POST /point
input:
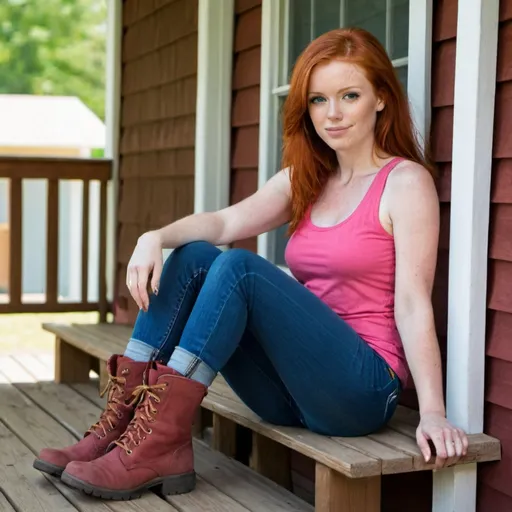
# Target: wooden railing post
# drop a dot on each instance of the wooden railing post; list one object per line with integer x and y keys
{"x": 52, "y": 244}
{"x": 15, "y": 259}
{"x": 55, "y": 170}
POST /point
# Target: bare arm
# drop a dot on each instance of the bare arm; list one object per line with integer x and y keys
{"x": 266, "y": 209}
{"x": 414, "y": 213}
{"x": 263, "y": 211}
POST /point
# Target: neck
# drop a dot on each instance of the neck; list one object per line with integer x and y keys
{"x": 359, "y": 161}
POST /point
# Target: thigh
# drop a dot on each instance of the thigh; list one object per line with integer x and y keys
{"x": 254, "y": 379}
{"x": 341, "y": 385}
{"x": 182, "y": 278}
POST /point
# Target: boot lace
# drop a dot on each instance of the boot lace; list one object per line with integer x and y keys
{"x": 115, "y": 389}
{"x": 145, "y": 413}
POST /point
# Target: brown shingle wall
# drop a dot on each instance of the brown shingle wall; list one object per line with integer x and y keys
{"x": 495, "y": 492}
{"x": 158, "y": 104}
{"x": 246, "y": 104}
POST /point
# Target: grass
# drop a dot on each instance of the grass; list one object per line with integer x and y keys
{"x": 22, "y": 333}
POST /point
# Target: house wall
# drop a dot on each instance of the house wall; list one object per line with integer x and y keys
{"x": 246, "y": 104}
{"x": 414, "y": 489}
{"x": 158, "y": 105}
{"x": 495, "y": 492}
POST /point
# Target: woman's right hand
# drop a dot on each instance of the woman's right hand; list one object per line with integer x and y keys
{"x": 146, "y": 261}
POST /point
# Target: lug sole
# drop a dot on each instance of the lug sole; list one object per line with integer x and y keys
{"x": 48, "y": 467}
{"x": 176, "y": 484}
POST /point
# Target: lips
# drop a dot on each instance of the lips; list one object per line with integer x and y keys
{"x": 336, "y": 130}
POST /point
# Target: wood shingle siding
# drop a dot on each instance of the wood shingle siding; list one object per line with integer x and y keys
{"x": 158, "y": 106}
{"x": 246, "y": 104}
{"x": 495, "y": 492}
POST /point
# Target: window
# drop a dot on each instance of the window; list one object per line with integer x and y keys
{"x": 287, "y": 28}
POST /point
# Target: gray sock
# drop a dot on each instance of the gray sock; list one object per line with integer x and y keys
{"x": 139, "y": 351}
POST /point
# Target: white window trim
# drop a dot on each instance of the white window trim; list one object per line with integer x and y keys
{"x": 213, "y": 112}
{"x": 475, "y": 89}
{"x": 274, "y": 36}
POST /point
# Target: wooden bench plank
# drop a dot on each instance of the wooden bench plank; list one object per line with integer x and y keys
{"x": 393, "y": 450}
{"x": 83, "y": 339}
{"x": 341, "y": 458}
{"x": 393, "y": 460}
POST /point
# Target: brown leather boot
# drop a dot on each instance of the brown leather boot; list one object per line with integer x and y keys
{"x": 156, "y": 449}
{"x": 125, "y": 375}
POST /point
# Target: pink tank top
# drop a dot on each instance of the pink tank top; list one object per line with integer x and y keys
{"x": 351, "y": 267}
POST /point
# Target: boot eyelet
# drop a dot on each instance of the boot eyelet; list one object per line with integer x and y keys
{"x": 150, "y": 431}
{"x": 129, "y": 452}
{"x": 109, "y": 430}
{"x": 144, "y": 438}
{"x": 120, "y": 416}
{"x": 125, "y": 371}
{"x": 137, "y": 444}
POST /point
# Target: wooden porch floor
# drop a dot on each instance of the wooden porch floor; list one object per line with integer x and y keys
{"x": 35, "y": 413}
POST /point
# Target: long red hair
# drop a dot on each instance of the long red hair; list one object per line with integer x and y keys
{"x": 309, "y": 158}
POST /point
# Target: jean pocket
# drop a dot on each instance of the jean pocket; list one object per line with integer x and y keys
{"x": 391, "y": 403}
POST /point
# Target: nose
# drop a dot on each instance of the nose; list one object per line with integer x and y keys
{"x": 334, "y": 112}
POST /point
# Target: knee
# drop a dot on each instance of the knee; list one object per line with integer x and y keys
{"x": 194, "y": 255}
{"x": 236, "y": 257}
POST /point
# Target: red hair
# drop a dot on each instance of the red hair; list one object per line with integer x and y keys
{"x": 308, "y": 157}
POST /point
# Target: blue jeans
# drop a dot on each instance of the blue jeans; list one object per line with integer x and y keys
{"x": 283, "y": 351}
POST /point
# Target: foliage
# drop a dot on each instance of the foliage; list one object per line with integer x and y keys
{"x": 54, "y": 47}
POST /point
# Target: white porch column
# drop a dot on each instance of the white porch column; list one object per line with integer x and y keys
{"x": 213, "y": 113}
{"x": 475, "y": 85}
{"x": 112, "y": 129}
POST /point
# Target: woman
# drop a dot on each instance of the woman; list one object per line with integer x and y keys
{"x": 329, "y": 350}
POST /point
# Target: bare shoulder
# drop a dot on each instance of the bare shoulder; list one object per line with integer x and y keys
{"x": 410, "y": 176}
{"x": 410, "y": 196}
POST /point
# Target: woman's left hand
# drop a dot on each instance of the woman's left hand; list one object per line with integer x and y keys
{"x": 451, "y": 443}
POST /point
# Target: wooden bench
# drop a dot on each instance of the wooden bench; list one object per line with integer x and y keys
{"x": 348, "y": 470}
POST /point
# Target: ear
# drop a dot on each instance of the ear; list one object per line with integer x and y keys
{"x": 380, "y": 105}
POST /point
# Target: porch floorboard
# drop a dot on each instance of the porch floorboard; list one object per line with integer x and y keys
{"x": 35, "y": 412}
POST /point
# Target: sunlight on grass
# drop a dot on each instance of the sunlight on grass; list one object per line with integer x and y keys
{"x": 22, "y": 333}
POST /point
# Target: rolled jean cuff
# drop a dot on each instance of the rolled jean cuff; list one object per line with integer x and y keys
{"x": 140, "y": 351}
{"x": 190, "y": 366}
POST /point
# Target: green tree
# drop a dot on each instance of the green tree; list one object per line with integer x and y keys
{"x": 54, "y": 47}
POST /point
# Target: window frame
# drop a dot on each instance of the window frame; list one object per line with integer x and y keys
{"x": 274, "y": 52}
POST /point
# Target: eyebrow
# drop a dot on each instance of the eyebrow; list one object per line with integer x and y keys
{"x": 341, "y": 90}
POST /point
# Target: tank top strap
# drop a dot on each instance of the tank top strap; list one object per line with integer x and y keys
{"x": 379, "y": 182}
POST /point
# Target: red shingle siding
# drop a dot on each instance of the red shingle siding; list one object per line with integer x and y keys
{"x": 495, "y": 492}
{"x": 246, "y": 104}
{"x": 158, "y": 104}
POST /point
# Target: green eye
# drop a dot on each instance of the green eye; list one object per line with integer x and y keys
{"x": 351, "y": 96}
{"x": 316, "y": 99}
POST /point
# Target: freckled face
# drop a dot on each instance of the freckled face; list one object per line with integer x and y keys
{"x": 342, "y": 105}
